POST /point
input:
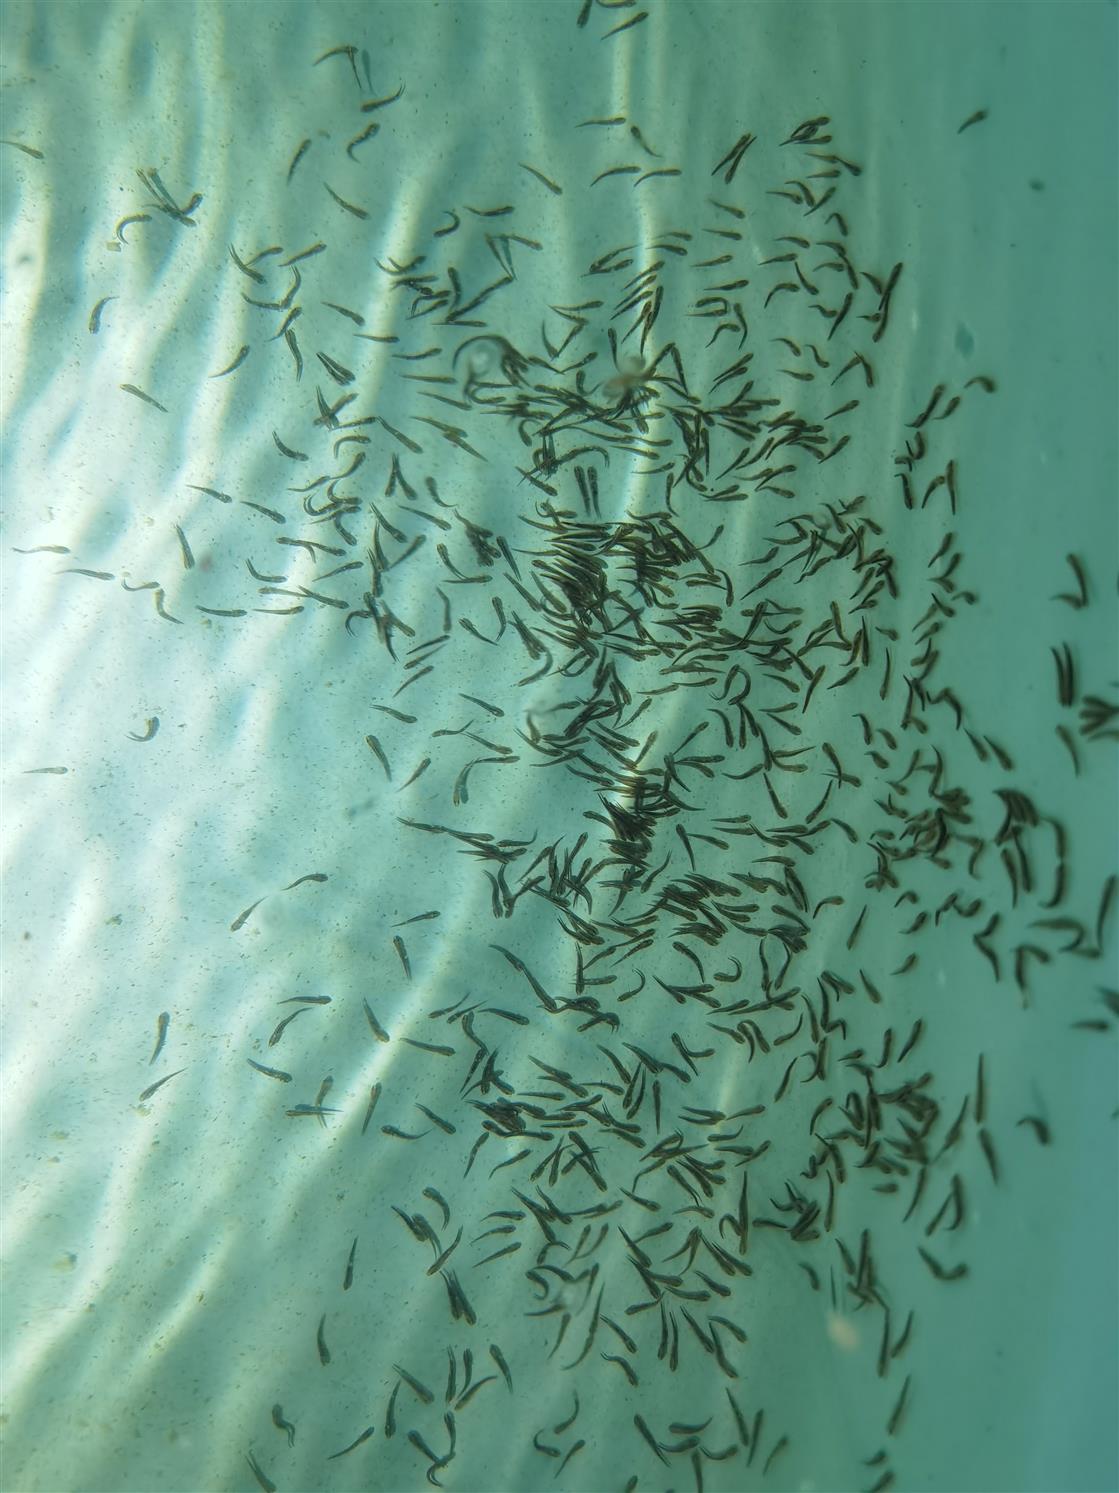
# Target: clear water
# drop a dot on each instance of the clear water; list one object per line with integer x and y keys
{"x": 769, "y": 822}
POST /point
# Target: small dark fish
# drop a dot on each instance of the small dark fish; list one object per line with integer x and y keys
{"x": 298, "y": 156}
{"x": 650, "y": 1439}
{"x": 324, "y": 1089}
{"x": 237, "y": 361}
{"x": 374, "y": 1025}
{"x": 348, "y": 1278}
{"x": 239, "y": 922}
{"x": 780, "y": 1447}
{"x": 159, "y": 598}
{"x": 150, "y": 1090}
{"x": 293, "y": 348}
{"x": 903, "y": 1341}
{"x": 421, "y": 1446}
{"x": 498, "y": 1358}
{"x": 468, "y": 1394}
{"x": 642, "y": 15}
{"x": 365, "y": 1435}
{"x": 938, "y": 1269}
{"x": 283, "y": 1425}
{"x": 565, "y": 1425}
{"x": 147, "y": 398}
{"x": 977, "y": 118}
{"x": 244, "y": 268}
{"x": 374, "y": 1095}
{"x": 282, "y": 449}
{"x": 1040, "y": 1128}
{"x": 357, "y": 212}
{"x": 988, "y": 1147}
{"x": 444, "y": 1125}
{"x": 188, "y": 556}
{"x": 261, "y": 1476}
{"x": 623, "y": 1365}
{"x": 445, "y": 1256}
{"x": 277, "y": 1073}
{"x": 346, "y": 50}
{"x": 551, "y": 185}
{"x": 430, "y": 1192}
{"x": 424, "y": 765}
{"x": 443, "y": 1051}
{"x": 279, "y": 1031}
{"x": 354, "y": 316}
{"x": 1080, "y": 599}
{"x": 366, "y": 134}
{"x": 417, "y": 1388}
{"x": 307, "y": 253}
{"x": 160, "y": 1035}
{"x": 980, "y": 1092}
{"x": 320, "y": 1338}
{"x": 498, "y": 1254}
{"x": 375, "y": 747}
{"x": 899, "y": 1409}
{"x": 615, "y": 171}
{"x": 579, "y": 1445}
{"x": 95, "y": 314}
{"x": 390, "y": 1411}
{"x": 379, "y": 103}
{"x": 402, "y": 952}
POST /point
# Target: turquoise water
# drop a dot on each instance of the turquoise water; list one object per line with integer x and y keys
{"x": 578, "y": 565}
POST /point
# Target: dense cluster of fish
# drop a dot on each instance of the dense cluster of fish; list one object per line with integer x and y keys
{"x": 714, "y": 618}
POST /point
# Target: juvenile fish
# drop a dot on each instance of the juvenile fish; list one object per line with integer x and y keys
{"x": 160, "y": 1035}
{"x": 150, "y": 1090}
